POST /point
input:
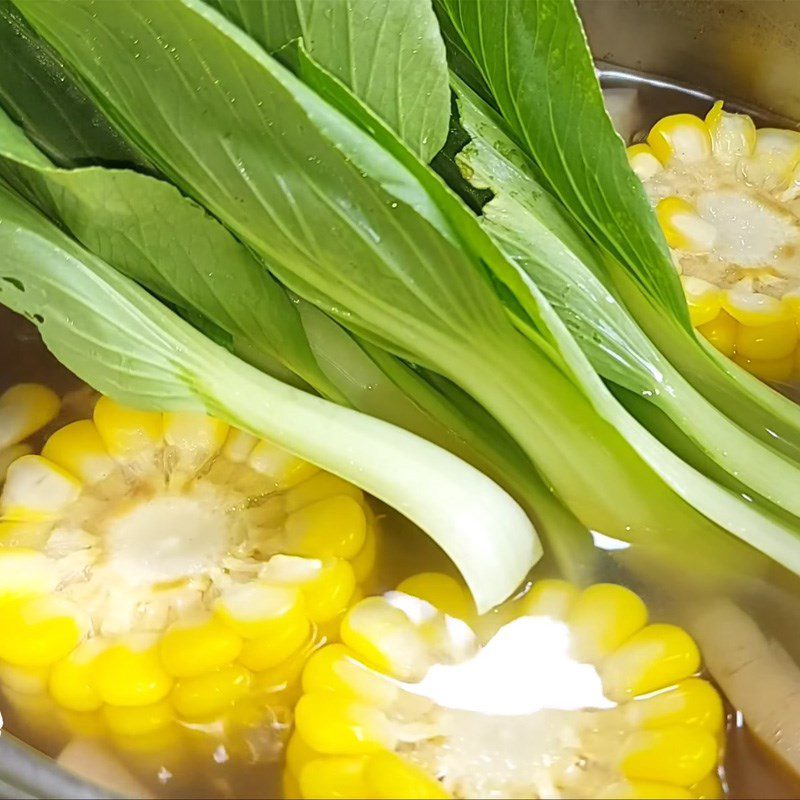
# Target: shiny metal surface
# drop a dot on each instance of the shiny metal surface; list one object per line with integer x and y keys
{"x": 690, "y": 51}
{"x": 746, "y": 51}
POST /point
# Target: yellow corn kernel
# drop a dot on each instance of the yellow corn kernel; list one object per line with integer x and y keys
{"x": 339, "y": 725}
{"x": 24, "y": 409}
{"x": 209, "y": 695}
{"x": 341, "y": 778}
{"x": 188, "y": 649}
{"x": 386, "y": 638}
{"x": 72, "y": 681}
{"x": 78, "y": 448}
{"x": 775, "y": 155}
{"x": 549, "y": 598}
{"x": 278, "y": 646}
{"x": 335, "y": 526}
{"x": 389, "y": 776}
{"x": 26, "y": 535}
{"x": 257, "y": 610}
{"x": 767, "y": 342}
{"x": 603, "y": 617}
{"x": 692, "y": 702}
{"x": 684, "y": 229}
{"x": 40, "y": 630}
{"x": 335, "y": 668}
{"x": 319, "y": 487}
{"x": 754, "y": 308}
{"x": 37, "y": 489}
{"x": 298, "y": 754}
{"x": 792, "y": 302}
{"x": 643, "y": 161}
{"x": 130, "y": 673}
{"x": 24, "y": 680}
{"x": 283, "y": 468}
{"x": 681, "y": 136}
{"x": 442, "y": 591}
{"x": 776, "y": 369}
{"x": 721, "y": 332}
{"x": 703, "y": 298}
{"x": 327, "y": 585}
{"x": 9, "y": 455}
{"x": 733, "y": 136}
{"x": 709, "y": 788}
{"x": 24, "y": 573}
{"x": 128, "y": 434}
{"x": 138, "y": 720}
{"x": 682, "y": 756}
{"x": 238, "y": 446}
{"x": 195, "y": 439}
{"x": 653, "y": 658}
{"x": 282, "y": 682}
{"x": 650, "y": 790}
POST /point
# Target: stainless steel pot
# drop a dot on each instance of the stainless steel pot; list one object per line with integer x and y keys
{"x": 673, "y": 54}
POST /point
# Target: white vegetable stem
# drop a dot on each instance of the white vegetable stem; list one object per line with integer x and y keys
{"x": 479, "y": 526}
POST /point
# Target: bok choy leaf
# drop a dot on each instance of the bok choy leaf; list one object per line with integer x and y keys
{"x": 533, "y": 56}
{"x": 39, "y": 94}
{"x": 114, "y": 335}
{"x": 719, "y": 508}
{"x": 390, "y": 54}
{"x": 352, "y": 229}
{"x": 535, "y": 231}
{"x": 346, "y": 226}
{"x": 151, "y": 233}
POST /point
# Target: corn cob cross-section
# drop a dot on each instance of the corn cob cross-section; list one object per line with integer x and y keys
{"x": 575, "y": 695}
{"x": 161, "y": 567}
{"x": 727, "y": 197}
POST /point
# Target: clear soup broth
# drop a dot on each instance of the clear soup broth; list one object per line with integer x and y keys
{"x": 511, "y": 704}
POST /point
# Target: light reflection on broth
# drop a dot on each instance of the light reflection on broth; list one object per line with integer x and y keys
{"x": 524, "y": 671}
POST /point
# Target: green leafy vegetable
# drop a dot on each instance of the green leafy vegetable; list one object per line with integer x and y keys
{"x": 381, "y": 385}
{"x": 37, "y": 91}
{"x": 534, "y": 230}
{"x": 150, "y": 232}
{"x": 534, "y": 58}
{"x": 390, "y": 54}
{"x": 323, "y": 189}
{"x": 114, "y": 335}
{"x": 531, "y": 54}
{"x": 345, "y": 226}
{"x": 645, "y": 372}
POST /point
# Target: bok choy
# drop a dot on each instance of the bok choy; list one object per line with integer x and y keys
{"x": 542, "y": 80}
{"x": 348, "y": 227}
{"x": 279, "y": 199}
{"x": 118, "y": 338}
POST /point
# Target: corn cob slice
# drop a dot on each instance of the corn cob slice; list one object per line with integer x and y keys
{"x": 410, "y": 701}
{"x": 159, "y": 571}
{"x": 727, "y": 197}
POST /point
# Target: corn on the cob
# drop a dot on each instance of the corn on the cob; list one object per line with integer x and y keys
{"x": 727, "y": 197}
{"x": 164, "y": 570}
{"x": 378, "y": 719}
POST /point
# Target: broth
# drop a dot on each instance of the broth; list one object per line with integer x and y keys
{"x": 252, "y": 768}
